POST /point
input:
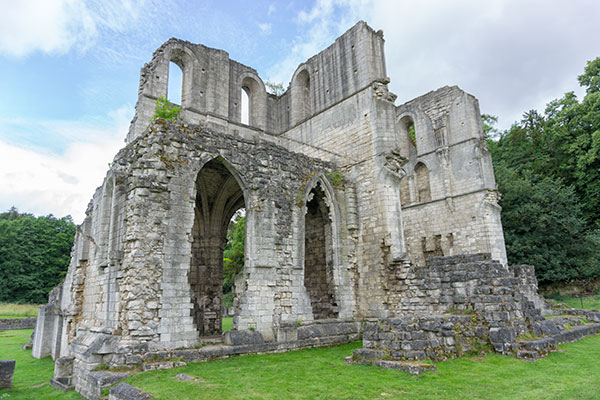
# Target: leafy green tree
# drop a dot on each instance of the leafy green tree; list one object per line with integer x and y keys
{"x": 34, "y": 255}
{"x": 544, "y": 227}
{"x": 548, "y": 171}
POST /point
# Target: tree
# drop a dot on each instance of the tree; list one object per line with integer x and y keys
{"x": 34, "y": 255}
{"x": 548, "y": 171}
{"x": 233, "y": 254}
{"x": 544, "y": 227}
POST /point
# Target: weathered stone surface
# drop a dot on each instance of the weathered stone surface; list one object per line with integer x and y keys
{"x": 7, "y": 370}
{"x": 125, "y": 391}
{"x": 17, "y": 323}
{"x": 242, "y": 338}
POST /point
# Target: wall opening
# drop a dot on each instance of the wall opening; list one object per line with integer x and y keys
{"x": 318, "y": 256}
{"x": 245, "y": 105}
{"x": 304, "y": 103}
{"x": 422, "y": 183}
{"x": 175, "y": 84}
{"x": 407, "y": 129}
{"x": 218, "y": 198}
{"x": 233, "y": 264}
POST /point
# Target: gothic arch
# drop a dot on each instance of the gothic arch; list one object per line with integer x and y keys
{"x": 320, "y": 252}
{"x": 219, "y": 193}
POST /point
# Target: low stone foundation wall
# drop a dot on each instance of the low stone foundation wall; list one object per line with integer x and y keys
{"x": 95, "y": 351}
{"x": 436, "y": 338}
{"x": 17, "y": 323}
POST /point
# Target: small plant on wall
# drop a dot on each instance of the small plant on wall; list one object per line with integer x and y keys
{"x": 165, "y": 109}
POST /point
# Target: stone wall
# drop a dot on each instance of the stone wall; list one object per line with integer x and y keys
{"x": 460, "y": 213}
{"x": 341, "y": 205}
{"x": 17, "y": 323}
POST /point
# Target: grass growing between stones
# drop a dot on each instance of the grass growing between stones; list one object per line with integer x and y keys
{"x": 321, "y": 374}
{"x": 8, "y": 310}
{"x": 32, "y": 376}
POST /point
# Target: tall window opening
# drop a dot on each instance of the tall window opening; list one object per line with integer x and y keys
{"x": 218, "y": 198}
{"x": 407, "y": 129}
{"x": 318, "y": 256}
{"x": 245, "y": 105}
{"x": 175, "y": 84}
{"x": 303, "y": 81}
{"x": 422, "y": 183}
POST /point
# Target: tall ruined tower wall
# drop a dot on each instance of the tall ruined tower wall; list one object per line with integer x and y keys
{"x": 448, "y": 191}
{"x": 341, "y": 188}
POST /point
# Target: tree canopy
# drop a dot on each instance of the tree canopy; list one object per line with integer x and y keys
{"x": 34, "y": 255}
{"x": 548, "y": 170}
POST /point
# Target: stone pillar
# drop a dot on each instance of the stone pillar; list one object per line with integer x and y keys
{"x": 7, "y": 370}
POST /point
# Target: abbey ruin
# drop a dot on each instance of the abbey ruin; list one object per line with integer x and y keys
{"x": 346, "y": 195}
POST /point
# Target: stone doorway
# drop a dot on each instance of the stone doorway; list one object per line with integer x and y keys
{"x": 218, "y": 197}
{"x": 318, "y": 256}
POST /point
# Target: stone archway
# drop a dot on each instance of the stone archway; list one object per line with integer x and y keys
{"x": 318, "y": 256}
{"x": 218, "y": 197}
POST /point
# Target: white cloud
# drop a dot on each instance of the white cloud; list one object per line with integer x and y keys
{"x": 50, "y": 26}
{"x": 56, "y": 26}
{"x": 512, "y": 55}
{"x": 318, "y": 27}
{"x": 265, "y": 28}
{"x": 40, "y": 182}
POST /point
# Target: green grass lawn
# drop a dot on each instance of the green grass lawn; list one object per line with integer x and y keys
{"x": 8, "y": 310}
{"x": 573, "y": 373}
{"x": 321, "y": 374}
{"x": 589, "y": 302}
{"x": 32, "y": 376}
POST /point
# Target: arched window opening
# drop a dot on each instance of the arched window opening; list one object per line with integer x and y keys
{"x": 245, "y": 105}
{"x": 303, "y": 90}
{"x": 422, "y": 183}
{"x": 318, "y": 256}
{"x": 218, "y": 198}
{"x": 407, "y": 130}
{"x": 175, "y": 84}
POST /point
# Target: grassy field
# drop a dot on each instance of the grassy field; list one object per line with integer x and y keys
{"x": 8, "y": 310}
{"x": 589, "y": 302}
{"x": 321, "y": 374}
{"x": 32, "y": 376}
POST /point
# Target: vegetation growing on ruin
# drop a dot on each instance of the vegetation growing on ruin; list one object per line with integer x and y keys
{"x": 165, "y": 109}
{"x": 34, "y": 255}
{"x": 276, "y": 89}
{"x": 547, "y": 168}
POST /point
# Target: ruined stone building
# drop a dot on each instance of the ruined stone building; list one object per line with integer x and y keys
{"x": 345, "y": 193}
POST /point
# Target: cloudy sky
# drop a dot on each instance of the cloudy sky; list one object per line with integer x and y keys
{"x": 69, "y": 69}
